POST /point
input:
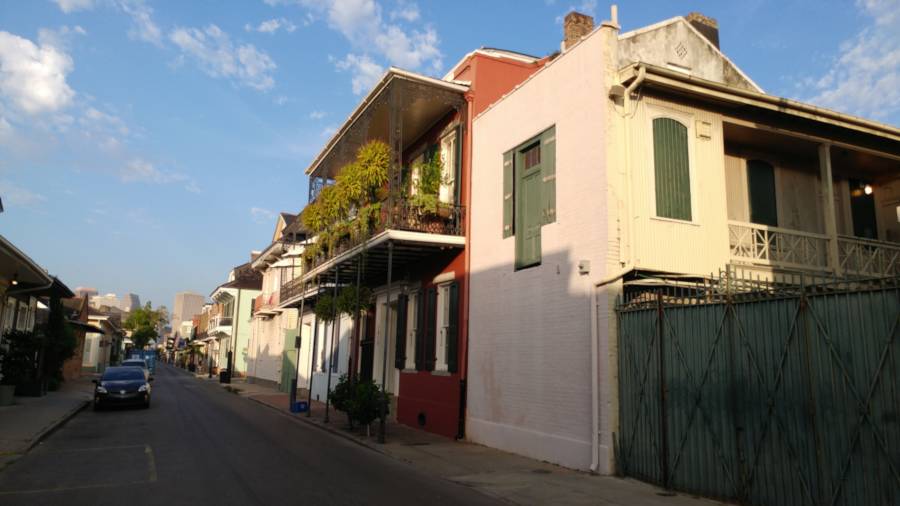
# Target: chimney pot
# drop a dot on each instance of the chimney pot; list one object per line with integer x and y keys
{"x": 575, "y": 26}
{"x": 707, "y": 26}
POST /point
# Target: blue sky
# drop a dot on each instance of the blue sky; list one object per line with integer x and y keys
{"x": 147, "y": 146}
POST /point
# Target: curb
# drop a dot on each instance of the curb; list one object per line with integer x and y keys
{"x": 323, "y": 427}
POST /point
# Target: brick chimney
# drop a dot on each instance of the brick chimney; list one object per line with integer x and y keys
{"x": 708, "y": 27}
{"x": 575, "y": 26}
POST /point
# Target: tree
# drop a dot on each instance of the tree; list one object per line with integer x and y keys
{"x": 143, "y": 322}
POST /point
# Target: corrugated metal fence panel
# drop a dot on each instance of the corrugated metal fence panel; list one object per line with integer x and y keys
{"x": 639, "y": 401}
{"x": 774, "y": 400}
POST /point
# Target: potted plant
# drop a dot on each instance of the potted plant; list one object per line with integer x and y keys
{"x": 19, "y": 366}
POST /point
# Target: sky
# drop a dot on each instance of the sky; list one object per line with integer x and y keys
{"x": 147, "y": 146}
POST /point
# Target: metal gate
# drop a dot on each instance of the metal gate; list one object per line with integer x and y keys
{"x": 764, "y": 393}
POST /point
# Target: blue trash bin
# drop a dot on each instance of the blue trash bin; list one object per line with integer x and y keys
{"x": 300, "y": 407}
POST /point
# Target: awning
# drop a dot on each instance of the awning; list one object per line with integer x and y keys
{"x": 87, "y": 327}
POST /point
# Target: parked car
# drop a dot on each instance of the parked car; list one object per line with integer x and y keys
{"x": 138, "y": 362}
{"x": 122, "y": 386}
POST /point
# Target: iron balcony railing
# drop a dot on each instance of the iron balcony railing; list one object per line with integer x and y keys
{"x": 448, "y": 220}
{"x": 220, "y": 321}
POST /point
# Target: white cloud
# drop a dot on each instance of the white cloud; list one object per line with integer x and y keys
{"x": 144, "y": 28}
{"x": 281, "y": 100}
{"x": 217, "y": 56}
{"x": 408, "y": 11}
{"x": 74, "y": 5}
{"x": 142, "y": 18}
{"x": 32, "y": 77}
{"x": 272, "y": 26}
{"x": 141, "y": 171}
{"x": 329, "y": 131}
{"x": 365, "y": 71}
{"x": 377, "y": 38}
{"x": 261, "y": 215}
{"x": 864, "y": 77}
{"x": 16, "y": 196}
{"x": 59, "y": 38}
{"x": 317, "y": 114}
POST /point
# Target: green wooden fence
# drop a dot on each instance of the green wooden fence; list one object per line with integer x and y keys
{"x": 763, "y": 393}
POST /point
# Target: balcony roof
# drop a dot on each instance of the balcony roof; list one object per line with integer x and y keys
{"x": 817, "y": 123}
{"x": 371, "y": 259}
{"x": 370, "y": 118}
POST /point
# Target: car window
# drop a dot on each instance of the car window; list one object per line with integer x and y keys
{"x": 123, "y": 373}
{"x": 134, "y": 363}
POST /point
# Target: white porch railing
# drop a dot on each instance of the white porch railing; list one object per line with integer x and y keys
{"x": 865, "y": 257}
{"x": 777, "y": 247}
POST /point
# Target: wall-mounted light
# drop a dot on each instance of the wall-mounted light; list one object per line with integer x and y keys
{"x": 868, "y": 189}
{"x": 15, "y": 279}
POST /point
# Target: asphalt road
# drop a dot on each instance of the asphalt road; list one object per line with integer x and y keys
{"x": 200, "y": 445}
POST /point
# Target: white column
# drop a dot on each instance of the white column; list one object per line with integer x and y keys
{"x": 827, "y": 182}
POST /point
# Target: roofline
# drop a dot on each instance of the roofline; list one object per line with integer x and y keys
{"x": 389, "y": 75}
{"x": 709, "y": 43}
{"x": 696, "y": 85}
{"x": 512, "y": 55}
{"x": 5, "y": 243}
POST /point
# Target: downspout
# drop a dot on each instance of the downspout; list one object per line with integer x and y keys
{"x": 464, "y": 368}
{"x": 628, "y": 267}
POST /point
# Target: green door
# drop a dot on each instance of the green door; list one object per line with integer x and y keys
{"x": 288, "y": 360}
{"x": 528, "y": 208}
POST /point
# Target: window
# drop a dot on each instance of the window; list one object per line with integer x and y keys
{"x": 414, "y": 175}
{"x": 529, "y": 195}
{"x": 412, "y": 328}
{"x": 443, "y": 322}
{"x": 671, "y": 162}
{"x": 761, "y": 192}
{"x": 10, "y": 312}
{"x": 22, "y": 316}
{"x": 449, "y": 167}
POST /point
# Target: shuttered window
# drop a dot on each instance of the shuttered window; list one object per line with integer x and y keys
{"x": 400, "y": 337}
{"x": 428, "y": 351}
{"x": 672, "y": 169}
{"x": 420, "y": 331}
{"x": 761, "y": 189}
{"x": 453, "y": 327}
{"x": 529, "y": 194}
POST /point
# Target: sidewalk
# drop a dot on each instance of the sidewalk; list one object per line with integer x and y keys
{"x": 513, "y": 478}
{"x": 30, "y": 419}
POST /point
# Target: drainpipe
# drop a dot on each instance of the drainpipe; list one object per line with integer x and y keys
{"x": 464, "y": 369}
{"x": 628, "y": 267}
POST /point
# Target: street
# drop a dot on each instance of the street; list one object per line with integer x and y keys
{"x": 199, "y": 444}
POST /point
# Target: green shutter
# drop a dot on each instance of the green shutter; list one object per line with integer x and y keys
{"x": 457, "y": 185}
{"x": 420, "y": 331}
{"x": 508, "y": 224}
{"x": 761, "y": 189}
{"x": 548, "y": 170}
{"x": 430, "y": 324}
{"x": 453, "y": 329}
{"x": 400, "y": 340}
{"x": 672, "y": 169}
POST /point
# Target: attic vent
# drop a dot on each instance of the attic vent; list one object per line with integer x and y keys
{"x": 680, "y": 50}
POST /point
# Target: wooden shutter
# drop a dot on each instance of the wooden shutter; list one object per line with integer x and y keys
{"x": 400, "y": 337}
{"x": 457, "y": 158}
{"x": 420, "y": 331}
{"x": 453, "y": 328}
{"x": 508, "y": 224}
{"x": 761, "y": 189}
{"x": 548, "y": 175}
{"x": 430, "y": 325}
{"x": 672, "y": 169}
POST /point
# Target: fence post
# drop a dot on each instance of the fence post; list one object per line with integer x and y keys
{"x": 663, "y": 420}
{"x": 733, "y": 401}
{"x": 803, "y": 313}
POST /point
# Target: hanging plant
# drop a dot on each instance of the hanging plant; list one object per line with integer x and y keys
{"x": 351, "y": 301}
{"x": 325, "y": 309}
{"x": 425, "y": 197}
